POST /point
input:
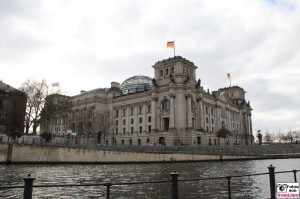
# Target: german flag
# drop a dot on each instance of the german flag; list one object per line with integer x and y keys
{"x": 170, "y": 44}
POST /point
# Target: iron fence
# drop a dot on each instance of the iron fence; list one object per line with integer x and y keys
{"x": 29, "y": 185}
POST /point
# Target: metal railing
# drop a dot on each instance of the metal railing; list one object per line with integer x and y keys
{"x": 28, "y": 183}
{"x": 233, "y": 150}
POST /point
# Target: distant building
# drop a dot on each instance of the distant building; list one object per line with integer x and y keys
{"x": 172, "y": 108}
{"x": 12, "y": 109}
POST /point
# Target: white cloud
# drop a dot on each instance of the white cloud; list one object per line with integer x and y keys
{"x": 87, "y": 44}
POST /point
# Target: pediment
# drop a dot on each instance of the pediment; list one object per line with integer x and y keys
{"x": 223, "y": 97}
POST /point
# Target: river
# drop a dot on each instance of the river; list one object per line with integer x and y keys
{"x": 244, "y": 187}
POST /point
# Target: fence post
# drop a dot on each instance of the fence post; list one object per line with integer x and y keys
{"x": 28, "y": 186}
{"x": 174, "y": 175}
{"x": 229, "y": 187}
{"x": 295, "y": 176}
{"x": 108, "y": 185}
{"x": 272, "y": 181}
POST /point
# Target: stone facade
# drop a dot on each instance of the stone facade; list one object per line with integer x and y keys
{"x": 12, "y": 109}
{"x": 172, "y": 108}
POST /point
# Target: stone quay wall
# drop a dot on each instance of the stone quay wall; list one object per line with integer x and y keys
{"x": 46, "y": 154}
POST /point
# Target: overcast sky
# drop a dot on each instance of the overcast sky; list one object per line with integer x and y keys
{"x": 86, "y": 44}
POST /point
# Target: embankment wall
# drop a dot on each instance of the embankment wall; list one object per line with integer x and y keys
{"x": 44, "y": 154}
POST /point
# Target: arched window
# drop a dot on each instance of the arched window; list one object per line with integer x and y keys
{"x": 165, "y": 105}
{"x": 167, "y": 72}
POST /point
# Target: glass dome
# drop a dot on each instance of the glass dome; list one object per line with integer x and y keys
{"x": 136, "y": 84}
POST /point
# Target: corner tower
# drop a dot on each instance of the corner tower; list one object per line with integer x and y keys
{"x": 176, "y": 69}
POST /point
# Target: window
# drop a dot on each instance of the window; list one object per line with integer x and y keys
{"x": 149, "y": 118}
{"x": 131, "y": 130}
{"x": 167, "y": 72}
{"x": 140, "y": 120}
{"x": 140, "y": 129}
{"x": 117, "y": 131}
{"x": 212, "y": 129}
{"x": 140, "y": 110}
{"x": 172, "y": 70}
{"x": 149, "y": 108}
{"x": 166, "y": 105}
{"x": 212, "y": 111}
{"x": 124, "y": 122}
{"x": 132, "y": 121}
{"x": 206, "y": 120}
{"x": 124, "y": 112}
{"x": 206, "y": 110}
{"x": 132, "y": 111}
{"x": 161, "y": 73}
{"x": 212, "y": 120}
{"x": 124, "y": 131}
{"x": 199, "y": 140}
{"x": 206, "y": 128}
{"x": 117, "y": 122}
{"x": 149, "y": 128}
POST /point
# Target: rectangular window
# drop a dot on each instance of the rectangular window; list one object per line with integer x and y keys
{"x": 122, "y": 142}
{"x": 149, "y": 129}
{"x": 149, "y": 108}
{"x": 212, "y": 129}
{"x": 124, "y": 131}
{"x": 212, "y": 120}
{"x": 124, "y": 122}
{"x": 149, "y": 118}
{"x": 199, "y": 140}
{"x": 131, "y": 130}
{"x": 206, "y": 110}
{"x": 141, "y": 129}
{"x": 207, "y": 130}
{"x": 141, "y": 120}
{"x": 124, "y": 112}
{"x": 132, "y": 111}
{"x": 117, "y": 122}
{"x": 212, "y": 111}
{"x": 140, "y": 110}
{"x": 117, "y": 131}
{"x": 132, "y": 121}
{"x": 207, "y": 120}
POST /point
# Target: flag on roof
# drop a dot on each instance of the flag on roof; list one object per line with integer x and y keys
{"x": 228, "y": 76}
{"x": 170, "y": 44}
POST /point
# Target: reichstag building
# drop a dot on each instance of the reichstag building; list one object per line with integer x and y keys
{"x": 170, "y": 109}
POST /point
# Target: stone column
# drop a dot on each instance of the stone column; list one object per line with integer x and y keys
{"x": 154, "y": 117}
{"x": 172, "y": 111}
{"x": 136, "y": 119}
{"x": 189, "y": 111}
{"x": 199, "y": 120}
{"x": 145, "y": 118}
{"x": 127, "y": 121}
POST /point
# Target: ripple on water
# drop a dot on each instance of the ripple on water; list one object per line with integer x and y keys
{"x": 246, "y": 187}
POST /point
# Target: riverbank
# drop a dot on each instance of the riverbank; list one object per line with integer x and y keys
{"x": 34, "y": 154}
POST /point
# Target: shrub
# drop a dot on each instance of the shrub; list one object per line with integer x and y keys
{"x": 46, "y": 136}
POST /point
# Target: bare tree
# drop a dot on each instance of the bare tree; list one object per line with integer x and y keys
{"x": 36, "y": 93}
{"x": 102, "y": 124}
{"x": 267, "y": 137}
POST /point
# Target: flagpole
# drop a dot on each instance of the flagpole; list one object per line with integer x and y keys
{"x": 174, "y": 48}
